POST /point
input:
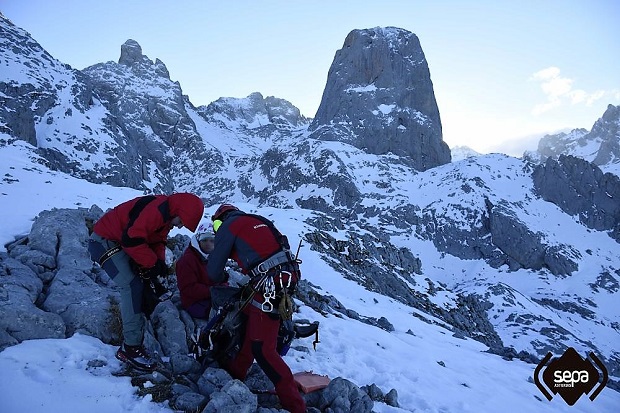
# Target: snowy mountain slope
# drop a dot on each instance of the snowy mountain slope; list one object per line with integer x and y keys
{"x": 575, "y": 309}
{"x": 28, "y": 186}
{"x": 431, "y": 370}
{"x": 52, "y": 107}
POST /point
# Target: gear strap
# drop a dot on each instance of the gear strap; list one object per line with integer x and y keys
{"x": 108, "y": 254}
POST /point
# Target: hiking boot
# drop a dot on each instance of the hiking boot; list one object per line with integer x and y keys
{"x": 136, "y": 356}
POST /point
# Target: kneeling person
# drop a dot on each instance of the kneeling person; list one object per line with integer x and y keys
{"x": 192, "y": 276}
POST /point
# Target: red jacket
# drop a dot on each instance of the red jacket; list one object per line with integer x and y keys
{"x": 244, "y": 238}
{"x": 192, "y": 279}
{"x": 141, "y": 225}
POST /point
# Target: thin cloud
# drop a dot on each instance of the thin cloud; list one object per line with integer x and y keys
{"x": 559, "y": 91}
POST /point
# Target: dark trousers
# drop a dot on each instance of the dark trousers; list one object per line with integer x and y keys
{"x": 200, "y": 309}
{"x": 259, "y": 344}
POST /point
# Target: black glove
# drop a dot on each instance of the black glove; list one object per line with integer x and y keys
{"x": 154, "y": 293}
{"x": 159, "y": 269}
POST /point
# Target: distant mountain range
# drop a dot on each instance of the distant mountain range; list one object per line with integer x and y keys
{"x": 522, "y": 255}
{"x": 600, "y": 145}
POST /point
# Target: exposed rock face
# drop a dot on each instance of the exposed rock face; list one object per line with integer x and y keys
{"x": 379, "y": 97}
{"x": 51, "y": 289}
{"x": 580, "y": 188}
{"x": 527, "y": 248}
{"x": 380, "y": 267}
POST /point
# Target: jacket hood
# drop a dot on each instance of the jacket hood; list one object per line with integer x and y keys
{"x": 188, "y": 207}
{"x": 196, "y": 245}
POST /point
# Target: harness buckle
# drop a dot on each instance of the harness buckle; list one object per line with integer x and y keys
{"x": 266, "y": 306}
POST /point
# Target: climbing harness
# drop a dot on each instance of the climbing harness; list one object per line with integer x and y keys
{"x": 280, "y": 257}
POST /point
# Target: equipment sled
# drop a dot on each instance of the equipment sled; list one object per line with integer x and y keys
{"x": 309, "y": 382}
{"x": 306, "y": 381}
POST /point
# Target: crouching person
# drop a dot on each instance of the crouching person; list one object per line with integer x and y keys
{"x": 261, "y": 252}
{"x": 129, "y": 243}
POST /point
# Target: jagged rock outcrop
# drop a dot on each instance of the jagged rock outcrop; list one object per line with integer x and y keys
{"x": 379, "y": 97}
{"x": 49, "y": 273}
{"x": 167, "y": 150}
{"x": 381, "y": 268}
{"x": 580, "y": 188}
{"x": 341, "y": 395}
{"x": 132, "y": 57}
{"x": 372, "y": 263}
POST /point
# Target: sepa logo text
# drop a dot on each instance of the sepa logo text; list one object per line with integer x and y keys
{"x": 570, "y": 376}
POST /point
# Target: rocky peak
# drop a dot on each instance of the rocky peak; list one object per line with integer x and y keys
{"x": 379, "y": 97}
{"x": 607, "y": 129}
{"x": 158, "y": 134}
{"x": 132, "y": 57}
{"x": 131, "y": 52}
{"x": 254, "y": 111}
{"x": 611, "y": 117}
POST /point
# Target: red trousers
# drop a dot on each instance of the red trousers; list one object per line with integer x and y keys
{"x": 259, "y": 343}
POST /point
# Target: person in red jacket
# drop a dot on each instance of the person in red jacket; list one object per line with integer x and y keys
{"x": 262, "y": 252}
{"x": 129, "y": 243}
{"x": 192, "y": 278}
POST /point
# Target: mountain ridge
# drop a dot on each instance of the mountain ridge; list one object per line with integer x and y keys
{"x": 600, "y": 145}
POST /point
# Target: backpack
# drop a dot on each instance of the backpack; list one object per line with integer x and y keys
{"x": 221, "y": 339}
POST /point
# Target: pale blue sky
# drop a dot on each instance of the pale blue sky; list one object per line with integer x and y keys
{"x": 503, "y": 71}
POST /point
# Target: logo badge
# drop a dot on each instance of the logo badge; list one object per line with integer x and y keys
{"x": 570, "y": 376}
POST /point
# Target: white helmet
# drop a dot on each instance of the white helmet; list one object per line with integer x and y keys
{"x": 204, "y": 232}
